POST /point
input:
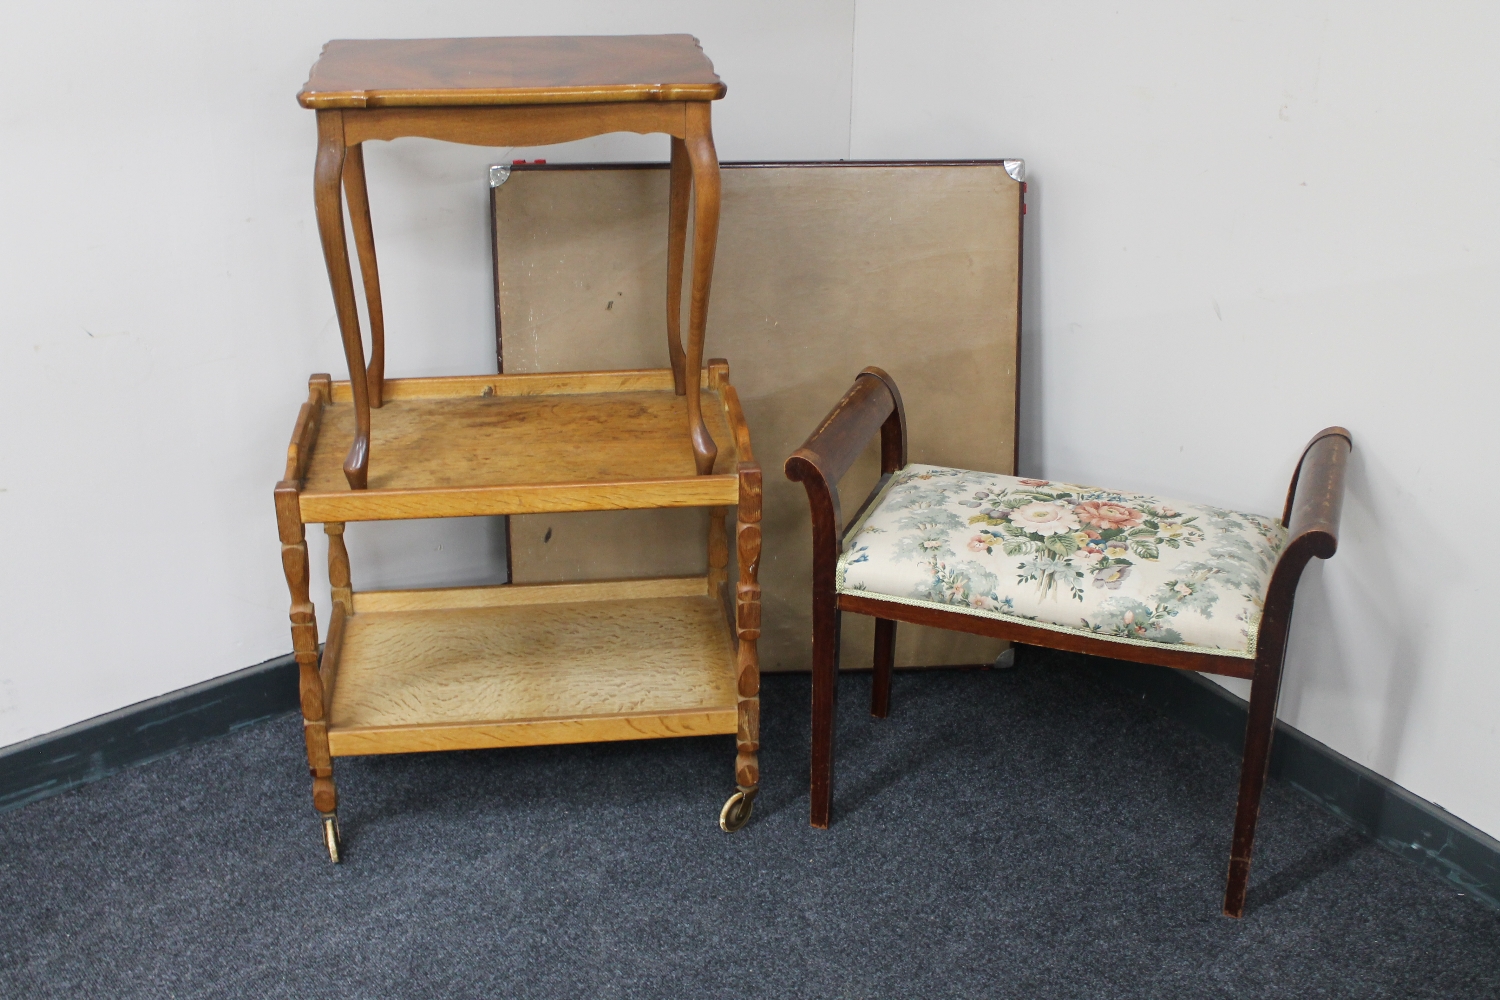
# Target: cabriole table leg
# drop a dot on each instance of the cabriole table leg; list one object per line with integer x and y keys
{"x": 680, "y": 191}
{"x": 705, "y": 167}
{"x": 358, "y": 194}
{"x": 328, "y": 175}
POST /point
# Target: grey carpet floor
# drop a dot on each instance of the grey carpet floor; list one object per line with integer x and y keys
{"x": 1029, "y": 833}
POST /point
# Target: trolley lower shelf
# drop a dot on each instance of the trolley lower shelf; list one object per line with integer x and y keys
{"x": 467, "y": 668}
{"x": 458, "y": 669}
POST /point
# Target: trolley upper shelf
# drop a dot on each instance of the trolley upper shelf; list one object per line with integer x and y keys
{"x": 517, "y": 444}
{"x": 579, "y": 69}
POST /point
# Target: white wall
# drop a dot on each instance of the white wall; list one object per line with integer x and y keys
{"x": 1248, "y": 220}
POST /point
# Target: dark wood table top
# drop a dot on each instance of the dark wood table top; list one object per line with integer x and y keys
{"x": 431, "y": 72}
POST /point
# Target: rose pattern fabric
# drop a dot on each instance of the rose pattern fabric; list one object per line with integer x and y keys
{"x": 1120, "y": 566}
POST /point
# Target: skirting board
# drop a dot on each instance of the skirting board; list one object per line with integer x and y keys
{"x": 1418, "y": 830}
{"x": 1410, "y": 826}
{"x": 98, "y": 747}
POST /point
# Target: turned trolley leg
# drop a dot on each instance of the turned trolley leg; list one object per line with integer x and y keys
{"x": 705, "y": 168}
{"x": 305, "y": 648}
{"x": 1259, "y": 729}
{"x": 885, "y": 662}
{"x": 681, "y": 181}
{"x": 736, "y": 811}
{"x": 327, "y": 177}
{"x": 364, "y": 242}
{"x": 338, "y": 567}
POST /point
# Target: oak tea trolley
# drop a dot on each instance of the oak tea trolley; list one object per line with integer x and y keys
{"x": 404, "y": 671}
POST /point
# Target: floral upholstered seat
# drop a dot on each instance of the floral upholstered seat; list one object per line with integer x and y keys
{"x": 1116, "y": 566}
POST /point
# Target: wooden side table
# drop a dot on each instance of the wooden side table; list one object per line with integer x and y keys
{"x": 512, "y": 92}
{"x": 473, "y": 667}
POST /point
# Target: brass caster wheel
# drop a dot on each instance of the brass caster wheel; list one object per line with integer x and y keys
{"x": 331, "y": 837}
{"x": 736, "y": 812}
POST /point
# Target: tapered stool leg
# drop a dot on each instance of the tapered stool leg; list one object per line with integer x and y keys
{"x": 885, "y": 662}
{"x": 1259, "y": 729}
{"x": 825, "y": 689}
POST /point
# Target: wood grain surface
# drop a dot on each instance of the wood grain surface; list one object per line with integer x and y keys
{"x": 820, "y": 271}
{"x": 488, "y": 666}
{"x": 370, "y": 73}
{"x": 508, "y": 595}
{"x": 530, "y": 732}
{"x": 479, "y": 501}
{"x": 545, "y": 384}
{"x": 500, "y": 440}
{"x": 514, "y": 125}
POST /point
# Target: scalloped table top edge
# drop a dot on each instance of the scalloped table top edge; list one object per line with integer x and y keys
{"x": 543, "y": 69}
